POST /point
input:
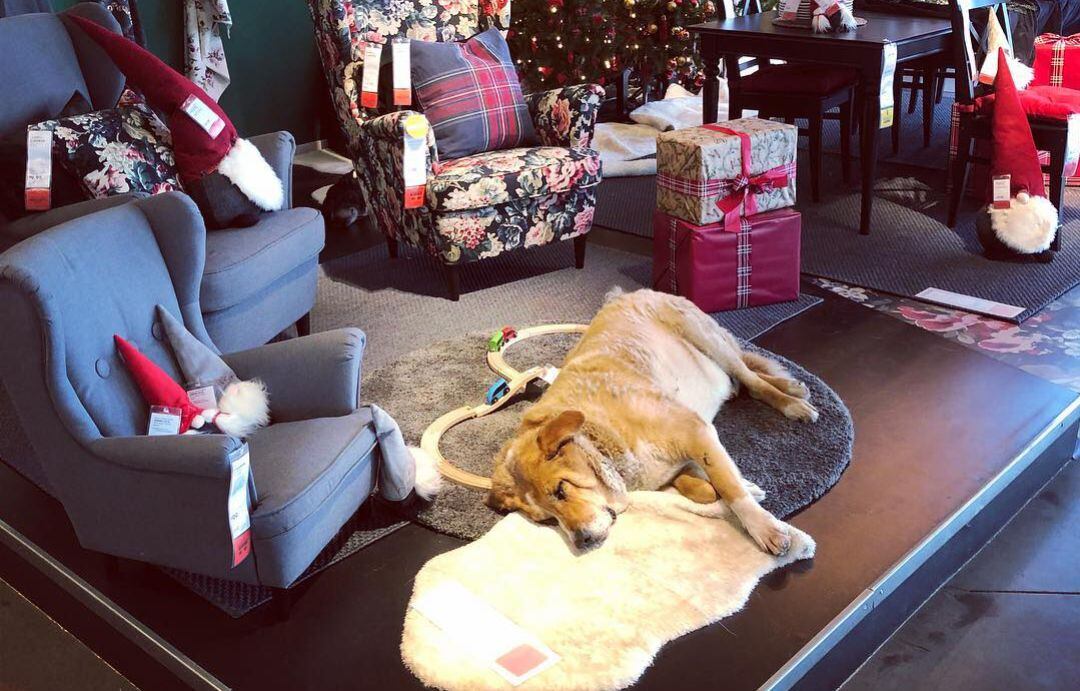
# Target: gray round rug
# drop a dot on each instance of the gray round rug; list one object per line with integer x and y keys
{"x": 795, "y": 463}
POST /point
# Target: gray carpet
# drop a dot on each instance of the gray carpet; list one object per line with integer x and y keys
{"x": 794, "y": 463}
{"x": 401, "y": 304}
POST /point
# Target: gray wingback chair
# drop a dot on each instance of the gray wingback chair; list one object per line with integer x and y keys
{"x": 162, "y": 499}
{"x": 258, "y": 280}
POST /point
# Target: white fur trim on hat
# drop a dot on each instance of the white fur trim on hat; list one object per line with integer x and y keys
{"x": 248, "y": 170}
{"x": 1028, "y": 225}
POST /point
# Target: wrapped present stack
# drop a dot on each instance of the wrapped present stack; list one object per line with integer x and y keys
{"x": 1057, "y": 61}
{"x": 724, "y": 235}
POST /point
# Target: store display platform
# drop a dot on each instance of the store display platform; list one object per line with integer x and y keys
{"x": 949, "y": 444}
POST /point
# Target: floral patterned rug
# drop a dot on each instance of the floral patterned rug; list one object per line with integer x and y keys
{"x": 1046, "y": 345}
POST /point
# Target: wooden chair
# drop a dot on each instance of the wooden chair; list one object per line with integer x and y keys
{"x": 794, "y": 91}
{"x": 924, "y": 77}
{"x": 1050, "y": 135}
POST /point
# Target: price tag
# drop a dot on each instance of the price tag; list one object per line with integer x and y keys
{"x": 203, "y": 116}
{"x": 163, "y": 421}
{"x": 239, "y": 519}
{"x": 415, "y": 163}
{"x": 789, "y": 9}
{"x": 1002, "y": 187}
{"x": 402, "y": 72}
{"x": 369, "y": 85}
{"x": 38, "y": 195}
{"x": 203, "y": 397}
{"x": 885, "y": 93}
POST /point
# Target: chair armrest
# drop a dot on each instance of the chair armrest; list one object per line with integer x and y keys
{"x": 202, "y": 455}
{"x": 33, "y": 224}
{"x": 310, "y": 377}
{"x": 278, "y": 148}
{"x": 566, "y": 116}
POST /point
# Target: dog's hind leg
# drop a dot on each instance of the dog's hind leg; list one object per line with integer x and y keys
{"x": 721, "y": 347}
{"x": 775, "y": 373}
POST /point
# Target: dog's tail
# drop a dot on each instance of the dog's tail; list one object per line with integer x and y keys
{"x": 764, "y": 365}
{"x": 615, "y": 293}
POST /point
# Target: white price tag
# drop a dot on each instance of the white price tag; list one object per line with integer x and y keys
{"x": 163, "y": 421}
{"x": 414, "y": 167}
{"x": 369, "y": 85}
{"x": 1002, "y": 190}
{"x": 885, "y": 93}
{"x": 203, "y": 116}
{"x": 402, "y": 72}
{"x": 239, "y": 518}
{"x": 38, "y": 196}
{"x": 203, "y": 397}
{"x": 484, "y": 633}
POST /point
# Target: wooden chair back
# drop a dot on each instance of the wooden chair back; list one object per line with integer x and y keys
{"x": 971, "y": 28}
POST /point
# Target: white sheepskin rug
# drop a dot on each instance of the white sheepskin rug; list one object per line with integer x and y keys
{"x": 668, "y": 567}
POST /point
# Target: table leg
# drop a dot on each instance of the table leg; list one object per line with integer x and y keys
{"x": 870, "y": 84}
{"x": 711, "y": 88}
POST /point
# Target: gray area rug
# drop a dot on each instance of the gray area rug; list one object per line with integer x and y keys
{"x": 794, "y": 463}
{"x": 401, "y": 304}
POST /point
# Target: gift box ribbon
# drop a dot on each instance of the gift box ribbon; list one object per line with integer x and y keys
{"x": 736, "y": 194}
{"x": 1057, "y": 44}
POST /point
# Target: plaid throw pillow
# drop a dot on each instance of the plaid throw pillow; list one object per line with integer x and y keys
{"x": 470, "y": 93}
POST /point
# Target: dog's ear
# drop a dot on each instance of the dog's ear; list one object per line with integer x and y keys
{"x": 504, "y": 494}
{"x": 559, "y": 430}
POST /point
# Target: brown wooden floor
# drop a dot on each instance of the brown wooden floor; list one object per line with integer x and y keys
{"x": 934, "y": 423}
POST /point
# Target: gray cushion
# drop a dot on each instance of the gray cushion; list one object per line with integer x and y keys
{"x": 242, "y": 261}
{"x": 300, "y": 465}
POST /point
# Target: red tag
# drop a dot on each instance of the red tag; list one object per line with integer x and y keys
{"x": 414, "y": 196}
{"x": 402, "y": 97}
{"x": 241, "y": 547}
{"x": 832, "y": 10}
{"x": 39, "y": 199}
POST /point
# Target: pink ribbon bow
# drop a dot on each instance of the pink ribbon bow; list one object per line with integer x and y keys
{"x": 745, "y": 187}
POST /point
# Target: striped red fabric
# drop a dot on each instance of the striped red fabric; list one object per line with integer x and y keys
{"x": 1057, "y": 61}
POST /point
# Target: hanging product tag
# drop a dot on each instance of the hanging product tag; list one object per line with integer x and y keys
{"x": 1002, "y": 191}
{"x": 203, "y": 116}
{"x": 369, "y": 86}
{"x": 415, "y": 163}
{"x": 402, "y": 72}
{"x": 885, "y": 94}
{"x": 789, "y": 9}
{"x": 163, "y": 421}
{"x": 203, "y": 397}
{"x": 239, "y": 518}
{"x": 38, "y": 196}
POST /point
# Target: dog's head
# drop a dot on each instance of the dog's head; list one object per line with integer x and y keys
{"x": 551, "y": 469}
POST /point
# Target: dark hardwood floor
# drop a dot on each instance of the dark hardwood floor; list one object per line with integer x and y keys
{"x": 934, "y": 424}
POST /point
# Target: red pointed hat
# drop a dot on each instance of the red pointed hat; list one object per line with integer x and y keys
{"x": 1014, "y": 151}
{"x": 198, "y": 150}
{"x": 157, "y": 387}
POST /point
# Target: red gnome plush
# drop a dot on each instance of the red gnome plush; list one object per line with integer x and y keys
{"x": 157, "y": 387}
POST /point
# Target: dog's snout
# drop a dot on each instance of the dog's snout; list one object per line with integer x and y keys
{"x": 586, "y": 541}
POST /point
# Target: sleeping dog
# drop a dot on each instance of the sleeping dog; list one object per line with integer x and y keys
{"x": 632, "y": 409}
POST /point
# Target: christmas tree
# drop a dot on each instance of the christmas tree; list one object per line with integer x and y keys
{"x": 561, "y": 42}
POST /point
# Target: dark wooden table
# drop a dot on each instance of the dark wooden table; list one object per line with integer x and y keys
{"x": 863, "y": 49}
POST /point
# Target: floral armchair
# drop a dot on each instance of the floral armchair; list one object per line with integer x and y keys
{"x": 477, "y": 206}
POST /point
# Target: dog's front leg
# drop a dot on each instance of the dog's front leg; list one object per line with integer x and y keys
{"x": 700, "y": 444}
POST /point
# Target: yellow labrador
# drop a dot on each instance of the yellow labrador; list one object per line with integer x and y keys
{"x": 632, "y": 409}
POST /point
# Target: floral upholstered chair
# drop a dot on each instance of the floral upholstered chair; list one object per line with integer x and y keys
{"x": 477, "y": 206}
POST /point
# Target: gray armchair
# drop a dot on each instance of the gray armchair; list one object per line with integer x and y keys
{"x": 64, "y": 293}
{"x": 259, "y": 280}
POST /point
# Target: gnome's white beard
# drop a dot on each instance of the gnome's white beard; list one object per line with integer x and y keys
{"x": 1028, "y": 225}
{"x": 247, "y": 169}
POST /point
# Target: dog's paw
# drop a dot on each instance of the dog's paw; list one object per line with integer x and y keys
{"x": 771, "y": 534}
{"x": 798, "y": 389}
{"x": 801, "y": 410}
{"x": 756, "y": 492}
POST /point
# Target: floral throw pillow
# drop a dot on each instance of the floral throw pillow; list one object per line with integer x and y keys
{"x": 115, "y": 151}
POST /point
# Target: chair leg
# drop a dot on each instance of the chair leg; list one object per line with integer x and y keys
{"x": 898, "y": 109}
{"x": 847, "y": 113}
{"x": 959, "y": 174}
{"x": 392, "y": 247}
{"x": 814, "y": 128}
{"x": 303, "y": 325}
{"x": 940, "y": 87}
{"x": 928, "y": 107}
{"x": 917, "y": 79}
{"x": 580, "y": 243}
{"x": 453, "y": 281}
{"x": 1057, "y": 186}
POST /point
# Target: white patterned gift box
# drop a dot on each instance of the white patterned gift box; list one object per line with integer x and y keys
{"x": 700, "y": 176}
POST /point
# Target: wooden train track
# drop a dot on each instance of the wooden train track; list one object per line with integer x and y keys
{"x": 516, "y": 383}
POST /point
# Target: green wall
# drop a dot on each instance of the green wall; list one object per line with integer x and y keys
{"x": 277, "y": 81}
